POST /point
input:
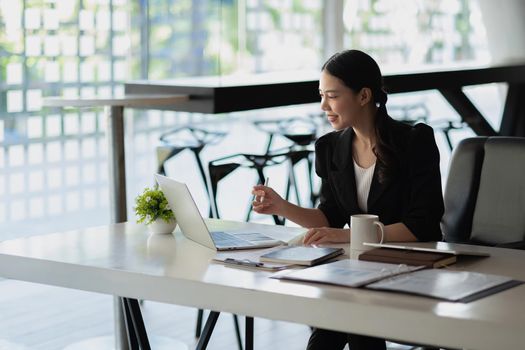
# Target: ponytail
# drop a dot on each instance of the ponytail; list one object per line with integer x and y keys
{"x": 387, "y": 161}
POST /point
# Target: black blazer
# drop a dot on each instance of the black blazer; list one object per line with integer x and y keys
{"x": 413, "y": 196}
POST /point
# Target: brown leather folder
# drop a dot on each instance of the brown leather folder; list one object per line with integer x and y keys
{"x": 408, "y": 257}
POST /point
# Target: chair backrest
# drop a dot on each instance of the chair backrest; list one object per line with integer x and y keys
{"x": 485, "y": 192}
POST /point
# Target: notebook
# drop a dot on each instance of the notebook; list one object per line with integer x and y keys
{"x": 437, "y": 247}
{"x": 458, "y": 286}
{"x": 301, "y": 255}
{"x": 347, "y": 272}
{"x": 462, "y": 286}
{"x": 193, "y": 226}
{"x": 408, "y": 257}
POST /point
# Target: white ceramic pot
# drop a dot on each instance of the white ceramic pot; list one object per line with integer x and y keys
{"x": 160, "y": 226}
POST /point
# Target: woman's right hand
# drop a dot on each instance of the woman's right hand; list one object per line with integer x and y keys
{"x": 267, "y": 201}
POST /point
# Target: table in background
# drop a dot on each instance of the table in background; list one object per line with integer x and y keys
{"x": 223, "y": 94}
{"x": 121, "y": 259}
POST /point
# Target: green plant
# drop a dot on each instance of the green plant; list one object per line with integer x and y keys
{"x": 151, "y": 205}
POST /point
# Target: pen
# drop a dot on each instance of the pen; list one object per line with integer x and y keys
{"x": 244, "y": 262}
{"x": 266, "y": 182}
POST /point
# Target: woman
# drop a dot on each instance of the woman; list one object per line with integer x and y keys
{"x": 370, "y": 164}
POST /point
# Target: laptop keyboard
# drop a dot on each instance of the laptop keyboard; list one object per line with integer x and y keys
{"x": 223, "y": 239}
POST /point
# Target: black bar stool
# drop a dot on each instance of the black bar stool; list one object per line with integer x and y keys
{"x": 418, "y": 112}
{"x": 222, "y": 167}
{"x": 410, "y": 113}
{"x": 187, "y": 138}
{"x": 302, "y": 133}
{"x": 446, "y": 126}
{"x": 194, "y": 139}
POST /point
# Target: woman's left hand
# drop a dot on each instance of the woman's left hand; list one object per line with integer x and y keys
{"x": 320, "y": 235}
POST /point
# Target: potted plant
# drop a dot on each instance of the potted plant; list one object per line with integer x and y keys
{"x": 152, "y": 209}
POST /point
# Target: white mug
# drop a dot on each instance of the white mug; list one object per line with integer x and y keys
{"x": 363, "y": 229}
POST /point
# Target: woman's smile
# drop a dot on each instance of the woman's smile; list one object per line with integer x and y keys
{"x": 332, "y": 118}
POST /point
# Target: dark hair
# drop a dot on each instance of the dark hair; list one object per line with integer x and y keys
{"x": 358, "y": 70}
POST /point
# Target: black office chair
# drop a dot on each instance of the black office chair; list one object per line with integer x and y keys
{"x": 485, "y": 193}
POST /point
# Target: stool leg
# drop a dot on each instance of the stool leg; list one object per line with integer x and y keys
{"x": 294, "y": 184}
{"x": 249, "y": 213}
{"x": 313, "y": 197}
{"x": 288, "y": 183}
{"x": 447, "y": 137}
{"x": 196, "y": 152}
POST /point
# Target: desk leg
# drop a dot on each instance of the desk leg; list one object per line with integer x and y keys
{"x": 117, "y": 197}
{"x": 132, "y": 336}
{"x": 208, "y": 329}
{"x": 237, "y": 331}
{"x": 137, "y": 335}
{"x": 249, "y": 333}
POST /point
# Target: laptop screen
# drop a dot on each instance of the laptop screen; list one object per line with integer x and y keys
{"x": 186, "y": 212}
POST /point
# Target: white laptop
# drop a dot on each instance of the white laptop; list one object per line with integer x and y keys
{"x": 436, "y": 247}
{"x": 193, "y": 226}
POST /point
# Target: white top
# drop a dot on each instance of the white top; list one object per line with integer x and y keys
{"x": 363, "y": 180}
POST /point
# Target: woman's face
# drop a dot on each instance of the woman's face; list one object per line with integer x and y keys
{"x": 340, "y": 103}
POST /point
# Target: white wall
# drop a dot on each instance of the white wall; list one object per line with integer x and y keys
{"x": 505, "y": 26}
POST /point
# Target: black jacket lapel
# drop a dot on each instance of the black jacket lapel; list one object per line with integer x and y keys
{"x": 342, "y": 171}
{"x": 376, "y": 190}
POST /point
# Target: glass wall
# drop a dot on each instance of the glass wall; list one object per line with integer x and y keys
{"x": 53, "y": 162}
{"x": 435, "y": 32}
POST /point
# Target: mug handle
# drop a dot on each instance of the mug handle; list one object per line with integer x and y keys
{"x": 382, "y": 229}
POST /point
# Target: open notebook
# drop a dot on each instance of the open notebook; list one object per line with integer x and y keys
{"x": 462, "y": 286}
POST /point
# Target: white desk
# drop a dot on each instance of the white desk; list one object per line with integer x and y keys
{"x": 123, "y": 260}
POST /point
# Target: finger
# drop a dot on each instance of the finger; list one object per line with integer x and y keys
{"x": 307, "y": 235}
{"x": 314, "y": 237}
{"x": 259, "y": 206}
{"x": 260, "y": 195}
{"x": 261, "y": 201}
{"x": 320, "y": 240}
